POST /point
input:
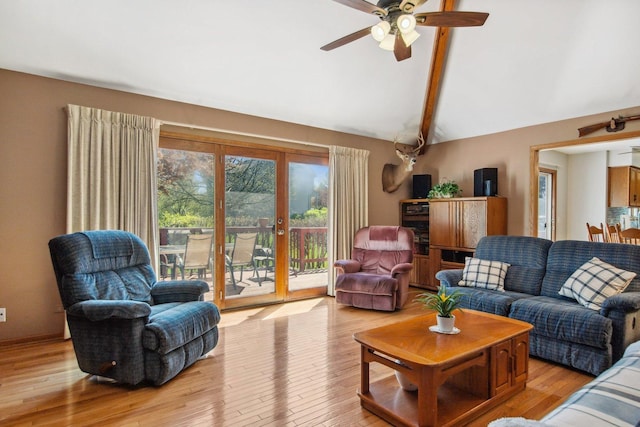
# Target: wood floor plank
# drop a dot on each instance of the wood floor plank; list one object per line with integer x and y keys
{"x": 284, "y": 365}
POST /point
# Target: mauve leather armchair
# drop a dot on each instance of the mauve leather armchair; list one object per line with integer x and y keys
{"x": 377, "y": 275}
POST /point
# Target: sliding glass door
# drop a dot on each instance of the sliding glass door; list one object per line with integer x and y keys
{"x": 186, "y": 214}
{"x": 263, "y": 211}
{"x": 308, "y": 197}
{"x": 250, "y": 226}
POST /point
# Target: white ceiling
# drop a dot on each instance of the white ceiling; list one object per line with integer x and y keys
{"x": 532, "y": 62}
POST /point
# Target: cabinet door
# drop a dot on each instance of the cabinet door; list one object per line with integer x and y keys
{"x": 521, "y": 358}
{"x": 442, "y": 224}
{"x": 510, "y": 364}
{"x": 501, "y": 368}
{"x": 420, "y": 275}
{"x": 634, "y": 187}
{"x": 473, "y": 227}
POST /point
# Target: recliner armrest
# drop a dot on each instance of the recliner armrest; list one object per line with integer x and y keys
{"x": 347, "y": 265}
{"x": 449, "y": 278}
{"x": 178, "y": 291}
{"x": 625, "y": 302}
{"x": 96, "y": 310}
{"x": 402, "y": 268}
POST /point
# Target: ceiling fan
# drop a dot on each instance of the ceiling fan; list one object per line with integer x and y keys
{"x": 396, "y": 31}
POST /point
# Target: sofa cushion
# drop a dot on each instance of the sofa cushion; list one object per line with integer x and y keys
{"x": 487, "y": 300}
{"x": 486, "y": 274}
{"x": 526, "y": 255}
{"x": 365, "y": 283}
{"x": 594, "y": 282}
{"x": 369, "y": 291}
{"x": 564, "y": 320}
{"x": 174, "y": 325}
{"x": 379, "y": 248}
{"x": 566, "y": 256}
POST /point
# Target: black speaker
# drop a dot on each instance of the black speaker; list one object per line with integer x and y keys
{"x": 421, "y": 186}
{"x": 485, "y": 182}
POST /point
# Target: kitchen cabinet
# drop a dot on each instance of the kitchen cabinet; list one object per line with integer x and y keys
{"x": 624, "y": 186}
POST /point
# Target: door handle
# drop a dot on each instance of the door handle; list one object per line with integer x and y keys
{"x": 280, "y": 232}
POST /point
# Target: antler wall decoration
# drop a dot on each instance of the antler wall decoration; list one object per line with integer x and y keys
{"x": 394, "y": 175}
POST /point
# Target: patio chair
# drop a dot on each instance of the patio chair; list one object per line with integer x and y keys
{"x": 197, "y": 254}
{"x": 377, "y": 275}
{"x": 124, "y": 324}
{"x": 242, "y": 255}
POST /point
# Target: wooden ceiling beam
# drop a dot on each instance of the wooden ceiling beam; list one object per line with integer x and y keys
{"x": 438, "y": 59}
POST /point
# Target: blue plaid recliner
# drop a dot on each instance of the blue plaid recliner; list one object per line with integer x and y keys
{"x": 124, "y": 324}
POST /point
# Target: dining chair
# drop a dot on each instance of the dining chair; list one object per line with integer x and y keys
{"x": 242, "y": 255}
{"x": 197, "y": 254}
{"x": 611, "y": 233}
{"x": 596, "y": 234}
{"x": 629, "y": 236}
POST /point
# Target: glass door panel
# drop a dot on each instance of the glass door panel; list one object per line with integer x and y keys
{"x": 546, "y": 204}
{"x": 186, "y": 215}
{"x": 249, "y": 222}
{"x": 308, "y": 225}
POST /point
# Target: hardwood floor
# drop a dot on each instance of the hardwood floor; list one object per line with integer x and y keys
{"x": 285, "y": 365}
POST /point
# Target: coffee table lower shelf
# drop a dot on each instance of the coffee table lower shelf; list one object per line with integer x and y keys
{"x": 399, "y": 407}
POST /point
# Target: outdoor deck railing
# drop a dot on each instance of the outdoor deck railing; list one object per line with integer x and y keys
{"x": 307, "y": 245}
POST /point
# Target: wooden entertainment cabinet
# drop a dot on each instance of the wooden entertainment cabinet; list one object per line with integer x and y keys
{"x": 414, "y": 214}
{"x": 448, "y": 230}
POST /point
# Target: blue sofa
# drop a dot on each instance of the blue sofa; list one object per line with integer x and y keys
{"x": 124, "y": 324}
{"x": 564, "y": 330}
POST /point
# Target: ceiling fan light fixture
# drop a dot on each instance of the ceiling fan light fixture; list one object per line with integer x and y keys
{"x": 406, "y": 23}
{"x": 388, "y": 43}
{"x": 409, "y": 38}
{"x": 380, "y": 31}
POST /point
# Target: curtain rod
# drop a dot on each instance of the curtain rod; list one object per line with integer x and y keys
{"x": 228, "y": 131}
{"x": 232, "y": 132}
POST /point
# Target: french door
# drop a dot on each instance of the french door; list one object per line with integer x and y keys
{"x": 266, "y": 209}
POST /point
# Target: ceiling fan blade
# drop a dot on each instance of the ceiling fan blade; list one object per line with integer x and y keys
{"x": 401, "y": 50}
{"x": 408, "y": 5}
{"x": 363, "y": 6}
{"x": 347, "y": 39}
{"x": 451, "y": 19}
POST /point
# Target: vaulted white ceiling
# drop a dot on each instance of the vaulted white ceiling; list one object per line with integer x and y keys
{"x": 532, "y": 62}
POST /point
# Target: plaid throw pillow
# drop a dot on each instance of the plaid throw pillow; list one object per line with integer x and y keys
{"x": 481, "y": 273}
{"x": 594, "y": 282}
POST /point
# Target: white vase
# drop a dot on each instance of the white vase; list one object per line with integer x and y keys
{"x": 404, "y": 382}
{"x": 445, "y": 324}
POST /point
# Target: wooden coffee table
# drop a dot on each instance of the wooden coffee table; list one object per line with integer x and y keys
{"x": 458, "y": 376}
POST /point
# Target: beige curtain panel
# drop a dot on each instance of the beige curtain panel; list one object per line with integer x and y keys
{"x": 111, "y": 173}
{"x": 348, "y": 202}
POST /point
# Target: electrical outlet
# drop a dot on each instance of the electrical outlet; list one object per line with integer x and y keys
{"x": 3, "y": 314}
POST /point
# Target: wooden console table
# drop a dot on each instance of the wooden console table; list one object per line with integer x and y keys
{"x": 458, "y": 376}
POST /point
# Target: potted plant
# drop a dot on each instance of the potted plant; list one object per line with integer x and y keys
{"x": 444, "y": 303}
{"x": 445, "y": 189}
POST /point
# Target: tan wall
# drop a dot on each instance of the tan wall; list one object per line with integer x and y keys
{"x": 509, "y": 152}
{"x": 33, "y": 177}
{"x": 33, "y": 181}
